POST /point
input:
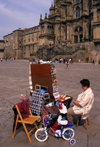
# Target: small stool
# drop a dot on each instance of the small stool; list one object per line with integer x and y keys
{"x": 85, "y": 124}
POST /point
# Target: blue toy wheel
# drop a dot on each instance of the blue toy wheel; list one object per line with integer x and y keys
{"x": 72, "y": 141}
{"x": 68, "y": 133}
{"x": 41, "y": 135}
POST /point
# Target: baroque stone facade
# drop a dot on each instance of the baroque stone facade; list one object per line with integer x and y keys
{"x": 72, "y": 30}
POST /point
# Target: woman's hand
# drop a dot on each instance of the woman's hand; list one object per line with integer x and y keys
{"x": 76, "y": 103}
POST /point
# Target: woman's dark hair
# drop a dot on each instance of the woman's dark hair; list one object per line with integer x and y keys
{"x": 85, "y": 82}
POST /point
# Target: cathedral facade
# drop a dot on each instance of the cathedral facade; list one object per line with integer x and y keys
{"x": 71, "y": 30}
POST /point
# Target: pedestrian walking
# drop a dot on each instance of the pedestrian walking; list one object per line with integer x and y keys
{"x": 1, "y": 60}
{"x": 67, "y": 63}
{"x": 79, "y": 61}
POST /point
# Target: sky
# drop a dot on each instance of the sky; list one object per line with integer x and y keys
{"x": 16, "y": 14}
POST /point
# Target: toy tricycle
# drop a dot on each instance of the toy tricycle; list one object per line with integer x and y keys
{"x": 66, "y": 131}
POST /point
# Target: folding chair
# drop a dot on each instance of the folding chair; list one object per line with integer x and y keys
{"x": 31, "y": 120}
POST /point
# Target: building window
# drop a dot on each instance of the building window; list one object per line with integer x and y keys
{"x": 98, "y": 14}
{"x": 77, "y": 11}
{"x": 50, "y": 27}
{"x": 78, "y": 34}
{"x": 76, "y": 29}
{"x": 42, "y": 27}
{"x": 29, "y": 47}
{"x": 81, "y": 37}
{"x": 1, "y": 50}
{"x": 76, "y": 39}
{"x": 77, "y": 1}
{"x": 66, "y": 11}
{"x": 80, "y": 29}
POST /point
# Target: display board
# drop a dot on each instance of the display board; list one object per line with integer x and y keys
{"x": 41, "y": 75}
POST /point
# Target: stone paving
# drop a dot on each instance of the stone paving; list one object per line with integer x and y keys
{"x": 14, "y": 81}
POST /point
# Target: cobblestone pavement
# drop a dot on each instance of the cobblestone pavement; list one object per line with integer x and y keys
{"x": 14, "y": 81}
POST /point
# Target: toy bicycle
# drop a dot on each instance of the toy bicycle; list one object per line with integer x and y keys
{"x": 66, "y": 131}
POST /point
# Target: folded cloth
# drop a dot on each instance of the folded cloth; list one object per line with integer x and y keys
{"x": 24, "y": 108}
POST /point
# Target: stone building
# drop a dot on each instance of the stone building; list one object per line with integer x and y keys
{"x": 70, "y": 30}
{"x": 14, "y": 44}
{"x": 1, "y": 48}
{"x": 30, "y": 42}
